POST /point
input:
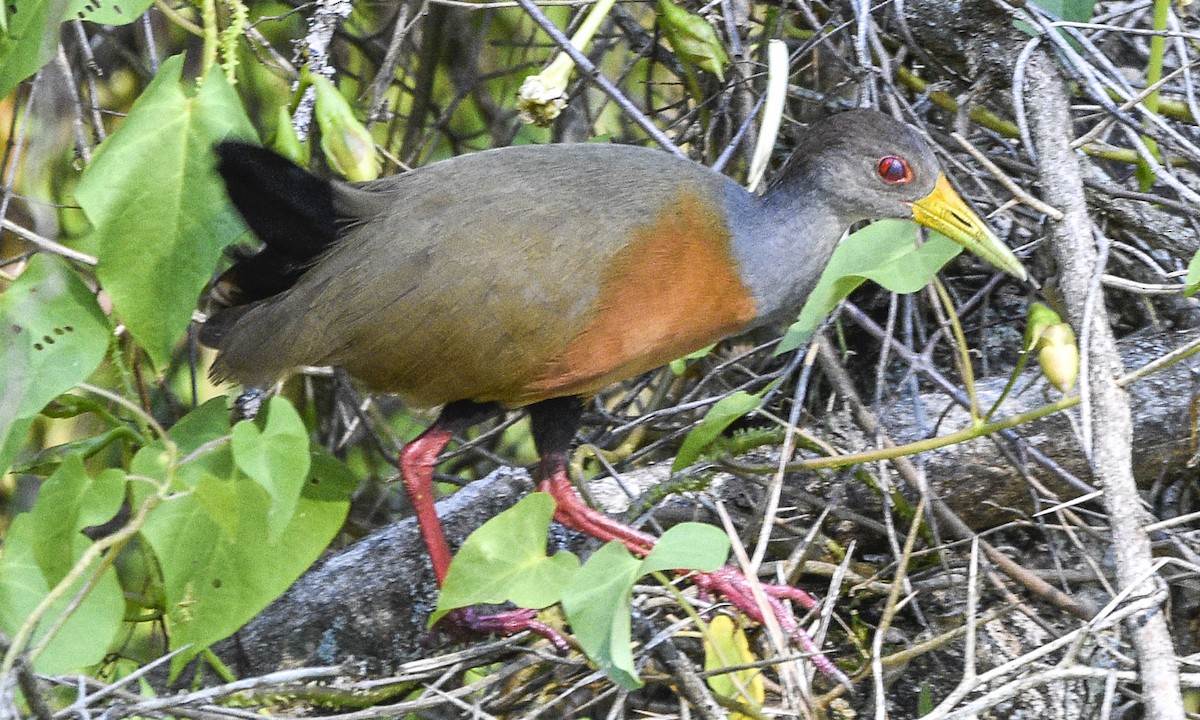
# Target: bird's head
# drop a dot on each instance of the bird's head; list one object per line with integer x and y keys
{"x": 868, "y": 166}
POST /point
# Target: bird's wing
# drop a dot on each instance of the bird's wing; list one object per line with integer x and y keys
{"x": 489, "y": 277}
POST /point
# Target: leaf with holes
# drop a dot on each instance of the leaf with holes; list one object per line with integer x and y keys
{"x": 54, "y": 337}
{"x": 108, "y": 12}
{"x": 885, "y": 251}
{"x": 159, "y": 213}
{"x": 29, "y": 38}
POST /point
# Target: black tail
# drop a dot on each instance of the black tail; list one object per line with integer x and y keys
{"x": 288, "y": 208}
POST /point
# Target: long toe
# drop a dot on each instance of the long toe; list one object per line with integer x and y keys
{"x": 734, "y": 586}
{"x": 505, "y": 622}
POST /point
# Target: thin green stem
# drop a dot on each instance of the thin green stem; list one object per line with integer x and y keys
{"x": 1158, "y": 49}
{"x": 991, "y": 121}
{"x": 97, "y": 551}
{"x": 144, "y": 417}
{"x": 976, "y": 430}
{"x": 208, "y": 55}
{"x": 1154, "y": 67}
{"x": 177, "y": 18}
{"x": 945, "y": 101}
{"x": 965, "y": 368}
{"x": 1022, "y": 360}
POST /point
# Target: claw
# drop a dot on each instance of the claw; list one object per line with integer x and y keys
{"x": 734, "y": 585}
{"x": 505, "y": 622}
{"x": 572, "y": 512}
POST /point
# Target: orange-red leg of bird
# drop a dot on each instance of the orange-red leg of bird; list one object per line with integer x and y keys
{"x": 417, "y": 462}
{"x": 727, "y": 581}
{"x": 571, "y": 511}
{"x": 549, "y": 432}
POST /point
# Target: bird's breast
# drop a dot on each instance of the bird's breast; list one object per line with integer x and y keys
{"x": 672, "y": 290}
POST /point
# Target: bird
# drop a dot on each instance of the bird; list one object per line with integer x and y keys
{"x": 531, "y": 277}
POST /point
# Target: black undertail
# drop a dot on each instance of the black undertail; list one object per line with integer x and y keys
{"x": 289, "y": 209}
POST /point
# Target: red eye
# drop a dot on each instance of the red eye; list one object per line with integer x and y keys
{"x": 894, "y": 170}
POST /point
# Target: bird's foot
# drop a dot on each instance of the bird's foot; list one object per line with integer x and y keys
{"x": 737, "y": 588}
{"x": 505, "y": 622}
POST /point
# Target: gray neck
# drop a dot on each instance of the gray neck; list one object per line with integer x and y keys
{"x": 782, "y": 241}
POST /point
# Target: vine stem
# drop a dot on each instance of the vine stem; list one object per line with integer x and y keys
{"x": 979, "y": 429}
{"x": 1154, "y": 67}
{"x": 95, "y": 552}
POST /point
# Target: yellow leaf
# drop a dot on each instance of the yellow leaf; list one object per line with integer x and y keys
{"x": 725, "y": 645}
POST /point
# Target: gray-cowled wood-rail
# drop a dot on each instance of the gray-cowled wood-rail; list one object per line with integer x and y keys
{"x": 533, "y": 276}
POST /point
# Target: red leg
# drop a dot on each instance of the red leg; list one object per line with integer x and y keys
{"x": 505, "y": 622}
{"x": 417, "y": 461}
{"x": 554, "y": 423}
{"x": 728, "y": 581}
{"x": 736, "y": 587}
{"x": 571, "y": 511}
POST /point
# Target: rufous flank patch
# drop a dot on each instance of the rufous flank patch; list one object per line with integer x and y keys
{"x": 672, "y": 290}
